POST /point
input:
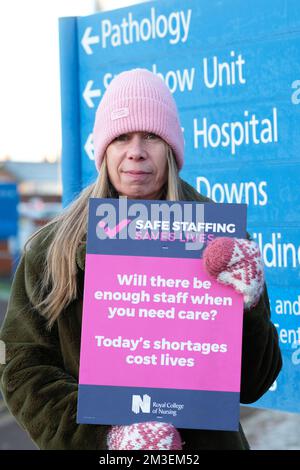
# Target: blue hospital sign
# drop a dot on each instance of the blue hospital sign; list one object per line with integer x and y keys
{"x": 234, "y": 72}
{"x": 9, "y": 200}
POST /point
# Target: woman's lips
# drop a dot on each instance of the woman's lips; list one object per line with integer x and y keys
{"x": 137, "y": 172}
{"x": 134, "y": 174}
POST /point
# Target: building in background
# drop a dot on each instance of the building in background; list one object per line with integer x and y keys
{"x": 39, "y": 189}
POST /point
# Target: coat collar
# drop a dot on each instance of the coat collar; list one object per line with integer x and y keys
{"x": 80, "y": 255}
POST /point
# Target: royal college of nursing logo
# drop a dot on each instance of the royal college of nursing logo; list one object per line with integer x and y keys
{"x": 140, "y": 404}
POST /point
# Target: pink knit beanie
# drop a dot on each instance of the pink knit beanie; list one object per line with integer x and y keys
{"x": 137, "y": 100}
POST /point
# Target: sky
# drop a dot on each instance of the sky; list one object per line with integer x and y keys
{"x": 30, "y": 126}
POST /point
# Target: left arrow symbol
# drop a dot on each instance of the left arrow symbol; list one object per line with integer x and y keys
{"x": 87, "y": 40}
{"x": 89, "y": 147}
{"x": 88, "y": 94}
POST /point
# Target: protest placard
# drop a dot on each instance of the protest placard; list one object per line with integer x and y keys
{"x": 161, "y": 339}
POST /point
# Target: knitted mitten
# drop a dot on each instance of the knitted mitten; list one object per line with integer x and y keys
{"x": 236, "y": 262}
{"x": 147, "y": 436}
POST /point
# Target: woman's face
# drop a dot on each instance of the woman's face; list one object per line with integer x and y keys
{"x": 137, "y": 165}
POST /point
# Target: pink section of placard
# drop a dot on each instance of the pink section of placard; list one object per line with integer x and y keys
{"x": 217, "y": 327}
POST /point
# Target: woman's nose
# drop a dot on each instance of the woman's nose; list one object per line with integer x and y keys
{"x": 136, "y": 147}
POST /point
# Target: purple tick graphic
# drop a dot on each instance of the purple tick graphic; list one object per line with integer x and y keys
{"x": 111, "y": 232}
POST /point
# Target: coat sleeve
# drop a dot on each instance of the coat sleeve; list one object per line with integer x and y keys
{"x": 261, "y": 356}
{"x": 37, "y": 390}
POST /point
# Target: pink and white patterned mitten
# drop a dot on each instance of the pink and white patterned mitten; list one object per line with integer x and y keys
{"x": 147, "y": 436}
{"x": 238, "y": 263}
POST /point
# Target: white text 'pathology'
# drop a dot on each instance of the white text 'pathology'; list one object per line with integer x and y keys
{"x": 130, "y": 29}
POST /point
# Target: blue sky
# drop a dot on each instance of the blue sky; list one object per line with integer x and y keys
{"x": 29, "y": 80}
{"x": 29, "y": 91}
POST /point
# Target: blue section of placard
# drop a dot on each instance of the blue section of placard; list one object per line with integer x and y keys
{"x": 185, "y": 241}
{"x": 112, "y": 405}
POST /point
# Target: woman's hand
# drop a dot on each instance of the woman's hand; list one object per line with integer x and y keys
{"x": 147, "y": 436}
{"x": 236, "y": 262}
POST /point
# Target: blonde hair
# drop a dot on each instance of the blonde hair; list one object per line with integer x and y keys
{"x": 58, "y": 285}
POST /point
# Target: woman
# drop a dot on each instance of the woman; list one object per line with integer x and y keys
{"x": 138, "y": 153}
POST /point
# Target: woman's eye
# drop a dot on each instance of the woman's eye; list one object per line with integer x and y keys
{"x": 150, "y": 136}
{"x": 121, "y": 138}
